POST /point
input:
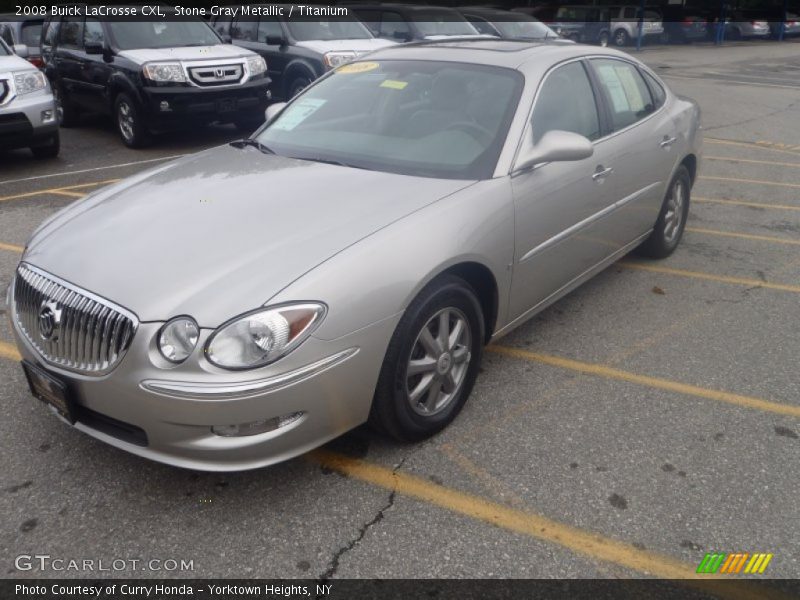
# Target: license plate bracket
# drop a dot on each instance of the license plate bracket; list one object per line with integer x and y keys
{"x": 50, "y": 390}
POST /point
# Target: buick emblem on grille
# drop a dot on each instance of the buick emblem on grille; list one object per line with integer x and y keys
{"x": 219, "y": 73}
{"x": 49, "y": 320}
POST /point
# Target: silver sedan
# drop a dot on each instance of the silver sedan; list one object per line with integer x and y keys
{"x": 350, "y": 260}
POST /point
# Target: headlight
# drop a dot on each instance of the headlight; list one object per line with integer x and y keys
{"x": 177, "y": 339}
{"x": 29, "y": 81}
{"x": 164, "y": 72}
{"x": 256, "y": 65}
{"x": 263, "y": 336}
{"x": 334, "y": 59}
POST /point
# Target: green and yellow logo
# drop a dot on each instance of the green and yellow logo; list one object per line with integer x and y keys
{"x": 733, "y": 564}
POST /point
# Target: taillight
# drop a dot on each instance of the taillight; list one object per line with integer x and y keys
{"x": 36, "y": 61}
{"x": 687, "y": 21}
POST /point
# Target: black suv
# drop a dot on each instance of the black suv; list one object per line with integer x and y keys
{"x": 152, "y": 76}
{"x": 299, "y": 50}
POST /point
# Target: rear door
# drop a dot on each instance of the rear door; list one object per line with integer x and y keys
{"x": 69, "y": 57}
{"x": 95, "y": 72}
{"x": 640, "y": 145}
{"x": 559, "y": 205}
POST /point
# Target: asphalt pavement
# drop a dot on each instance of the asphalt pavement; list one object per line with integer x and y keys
{"x": 650, "y": 417}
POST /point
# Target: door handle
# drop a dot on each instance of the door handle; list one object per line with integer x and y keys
{"x": 601, "y": 173}
{"x": 667, "y": 141}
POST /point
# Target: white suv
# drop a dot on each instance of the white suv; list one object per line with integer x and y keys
{"x": 625, "y": 24}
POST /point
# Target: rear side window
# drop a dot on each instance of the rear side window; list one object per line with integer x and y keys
{"x": 566, "y": 102}
{"x": 626, "y": 93}
{"x": 656, "y": 89}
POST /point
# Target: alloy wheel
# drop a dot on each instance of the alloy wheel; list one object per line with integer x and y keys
{"x": 126, "y": 120}
{"x": 674, "y": 214}
{"x": 439, "y": 361}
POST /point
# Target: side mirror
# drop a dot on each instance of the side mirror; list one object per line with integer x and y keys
{"x": 555, "y": 146}
{"x": 276, "y": 40}
{"x": 93, "y": 47}
{"x": 273, "y": 110}
{"x": 21, "y": 50}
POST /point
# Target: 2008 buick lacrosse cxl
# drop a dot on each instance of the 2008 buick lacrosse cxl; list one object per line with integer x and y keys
{"x": 348, "y": 262}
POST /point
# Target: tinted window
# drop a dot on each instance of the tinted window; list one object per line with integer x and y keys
{"x": 31, "y": 34}
{"x": 93, "y": 32}
{"x": 223, "y": 25}
{"x": 626, "y": 93}
{"x": 482, "y": 25}
{"x": 425, "y": 118}
{"x": 72, "y": 33}
{"x": 657, "y": 91}
{"x": 50, "y": 34}
{"x": 370, "y": 20}
{"x": 7, "y": 35}
{"x": 394, "y": 26}
{"x": 566, "y": 102}
{"x": 244, "y": 30}
{"x": 269, "y": 26}
{"x": 132, "y": 35}
{"x": 4, "y": 51}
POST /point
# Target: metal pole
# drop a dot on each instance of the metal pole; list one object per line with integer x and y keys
{"x": 782, "y": 30}
{"x": 640, "y": 35}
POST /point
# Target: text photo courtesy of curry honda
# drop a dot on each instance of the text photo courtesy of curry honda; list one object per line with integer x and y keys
{"x": 516, "y": 272}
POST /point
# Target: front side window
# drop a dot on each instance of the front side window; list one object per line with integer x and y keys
{"x": 4, "y": 51}
{"x": 244, "y": 30}
{"x": 135, "y": 35}
{"x": 424, "y": 118}
{"x": 269, "y": 27}
{"x": 93, "y": 32}
{"x": 566, "y": 102}
{"x": 394, "y": 26}
{"x": 72, "y": 33}
{"x": 626, "y": 93}
{"x": 31, "y": 33}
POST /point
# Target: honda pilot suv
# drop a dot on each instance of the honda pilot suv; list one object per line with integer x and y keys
{"x": 152, "y": 76}
{"x": 27, "y": 109}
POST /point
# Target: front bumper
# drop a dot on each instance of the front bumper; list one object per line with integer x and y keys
{"x": 169, "y": 106}
{"x": 165, "y": 413}
{"x": 22, "y": 121}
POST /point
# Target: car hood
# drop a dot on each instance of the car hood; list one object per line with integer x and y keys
{"x": 14, "y": 63}
{"x": 221, "y": 232}
{"x": 218, "y": 51}
{"x": 361, "y": 46}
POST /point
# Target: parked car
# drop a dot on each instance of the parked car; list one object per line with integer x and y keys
{"x": 152, "y": 76}
{"x": 586, "y": 24}
{"x": 791, "y": 27}
{"x": 505, "y": 24}
{"x": 298, "y": 51}
{"x": 682, "y": 25}
{"x": 625, "y": 24}
{"x": 742, "y": 25}
{"x": 27, "y": 32}
{"x": 349, "y": 261}
{"x": 407, "y": 22}
{"x": 27, "y": 109}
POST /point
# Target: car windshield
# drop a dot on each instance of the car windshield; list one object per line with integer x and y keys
{"x": 135, "y": 35}
{"x": 426, "y": 118}
{"x": 302, "y": 30}
{"x": 524, "y": 28}
{"x": 434, "y": 22}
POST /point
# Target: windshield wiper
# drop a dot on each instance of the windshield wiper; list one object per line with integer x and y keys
{"x": 254, "y": 143}
{"x": 330, "y": 161}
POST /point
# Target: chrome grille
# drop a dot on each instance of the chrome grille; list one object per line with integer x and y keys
{"x": 216, "y": 74}
{"x": 4, "y": 90}
{"x": 69, "y": 327}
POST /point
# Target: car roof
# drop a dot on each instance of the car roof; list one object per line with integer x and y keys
{"x": 497, "y": 52}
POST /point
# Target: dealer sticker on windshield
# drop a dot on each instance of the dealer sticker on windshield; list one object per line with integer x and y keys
{"x": 298, "y": 112}
{"x": 359, "y": 67}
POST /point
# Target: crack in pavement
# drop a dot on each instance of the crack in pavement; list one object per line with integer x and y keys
{"x": 333, "y": 566}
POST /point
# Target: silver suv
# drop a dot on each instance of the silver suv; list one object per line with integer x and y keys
{"x": 625, "y": 24}
{"x": 27, "y": 109}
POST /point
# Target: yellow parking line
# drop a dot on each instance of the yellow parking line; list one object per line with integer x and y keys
{"x": 702, "y": 199}
{"x": 711, "y": 277}
{"x": 66, "y": 193}
{"x": 11, "y": 247}
{"x": 752, "y": 161}
{"x": 748, "y": 145}
{"x": 9, "y": 351}
{"x": 579, "y": 541}
{"x": 745, "y": 236}
{"x": 653, "y": 382}
{"x": 755, "y": 181}
{"x": 55, "y": 190}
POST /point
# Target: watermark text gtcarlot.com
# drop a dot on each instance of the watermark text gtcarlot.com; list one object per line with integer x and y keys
{"x": 46, "y": 562}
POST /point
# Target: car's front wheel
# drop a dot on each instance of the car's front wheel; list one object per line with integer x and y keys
{"x": 66, "y": 112}
{"x": 621, "y": 38}
{"x": 431, "y": 362}
{"x": 671, "y": 221}
{"x": 130, "y": 124}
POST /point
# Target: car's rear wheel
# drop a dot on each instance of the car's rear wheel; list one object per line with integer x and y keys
{"x": 297, "y": 85}
{"x": 621, "y": 37}
{"x": 130, "y": 124}
{"x": 66, "y": 112}
{"x": 671, "y": 221}
{"x": 48, "y": 150}
{"x": 431, "y": 362}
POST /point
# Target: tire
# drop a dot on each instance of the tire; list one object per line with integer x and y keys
{"x": 671, "y": 221}
{"x": 129, "y": 122}
{"x": 49, "y": 150}
{"x": 297, "y": 85}
{"x": 621, "y": 38}
{"x": 603, "y": 39}
{"x": 67, "y": 113}
{"x": 393, "y": 411}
